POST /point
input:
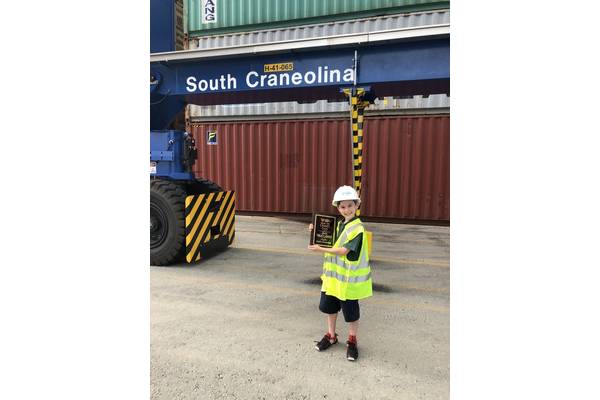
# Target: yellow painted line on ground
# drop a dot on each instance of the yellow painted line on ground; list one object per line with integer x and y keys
{"x": 430, "y": 242}
{"x": 404, "y": 240}
{"x": 420, "y": 261}
{"x": 401, "y": 261}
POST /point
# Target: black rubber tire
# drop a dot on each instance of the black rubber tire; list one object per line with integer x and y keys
{"x": 167, "y": 222}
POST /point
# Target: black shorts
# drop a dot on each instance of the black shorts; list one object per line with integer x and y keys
{"x": 332, "y": 305}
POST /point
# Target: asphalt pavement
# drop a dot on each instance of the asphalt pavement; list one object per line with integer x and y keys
{"x": 242, "y": 324}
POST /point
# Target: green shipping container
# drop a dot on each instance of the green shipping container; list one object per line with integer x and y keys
{"x": 210, "y": 17}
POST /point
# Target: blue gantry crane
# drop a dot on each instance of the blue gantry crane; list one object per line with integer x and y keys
{"x": 190, "y": 217}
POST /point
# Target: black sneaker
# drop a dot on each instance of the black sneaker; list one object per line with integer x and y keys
{"x": 352, "y": 351}
{"x": 324, "y": 344}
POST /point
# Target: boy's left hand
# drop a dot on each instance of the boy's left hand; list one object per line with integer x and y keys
{"x": 315, "y": 247}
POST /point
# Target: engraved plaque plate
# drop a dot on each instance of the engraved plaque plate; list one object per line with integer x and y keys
{"x": 324, "y": 230}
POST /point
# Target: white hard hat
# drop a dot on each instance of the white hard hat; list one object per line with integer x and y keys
{"x": 344, "y": 193}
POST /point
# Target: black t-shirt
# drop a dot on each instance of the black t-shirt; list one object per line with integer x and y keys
{"x": 354, "y": 245}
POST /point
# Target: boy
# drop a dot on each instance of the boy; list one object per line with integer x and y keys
{"x": 346, "y": 272}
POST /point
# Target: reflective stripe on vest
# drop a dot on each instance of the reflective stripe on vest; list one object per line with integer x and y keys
{"x": 349, "y": 279}
{"x": 362, "y": 262}
{"x": 347, "y": 231}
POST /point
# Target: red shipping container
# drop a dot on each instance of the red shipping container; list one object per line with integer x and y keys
{"x": 295, "y": 166}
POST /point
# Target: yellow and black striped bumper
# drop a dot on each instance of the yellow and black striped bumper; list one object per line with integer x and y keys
{"x": 209, "y": 223}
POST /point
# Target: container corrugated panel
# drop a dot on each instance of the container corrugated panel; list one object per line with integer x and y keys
{"x": 407, "y": 167}
{"x": 318, "y": 107}
{"x": 248, "y": 15}
{"x": 312, "y": 31}
{"x": 295, "y": 166}
{"x": 287, "y": 166}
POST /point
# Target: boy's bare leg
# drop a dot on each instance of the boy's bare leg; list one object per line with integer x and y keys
{"x": 331, "y": 320}
{"x": 353, "y": 328}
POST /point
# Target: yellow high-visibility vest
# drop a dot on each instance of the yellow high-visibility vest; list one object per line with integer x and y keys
{"x": 345, "y": 279}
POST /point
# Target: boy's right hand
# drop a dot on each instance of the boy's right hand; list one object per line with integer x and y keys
{"x": 310, "y": 227}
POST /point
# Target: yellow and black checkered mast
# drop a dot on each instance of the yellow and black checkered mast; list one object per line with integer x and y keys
{"x": 357, "y": 108}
